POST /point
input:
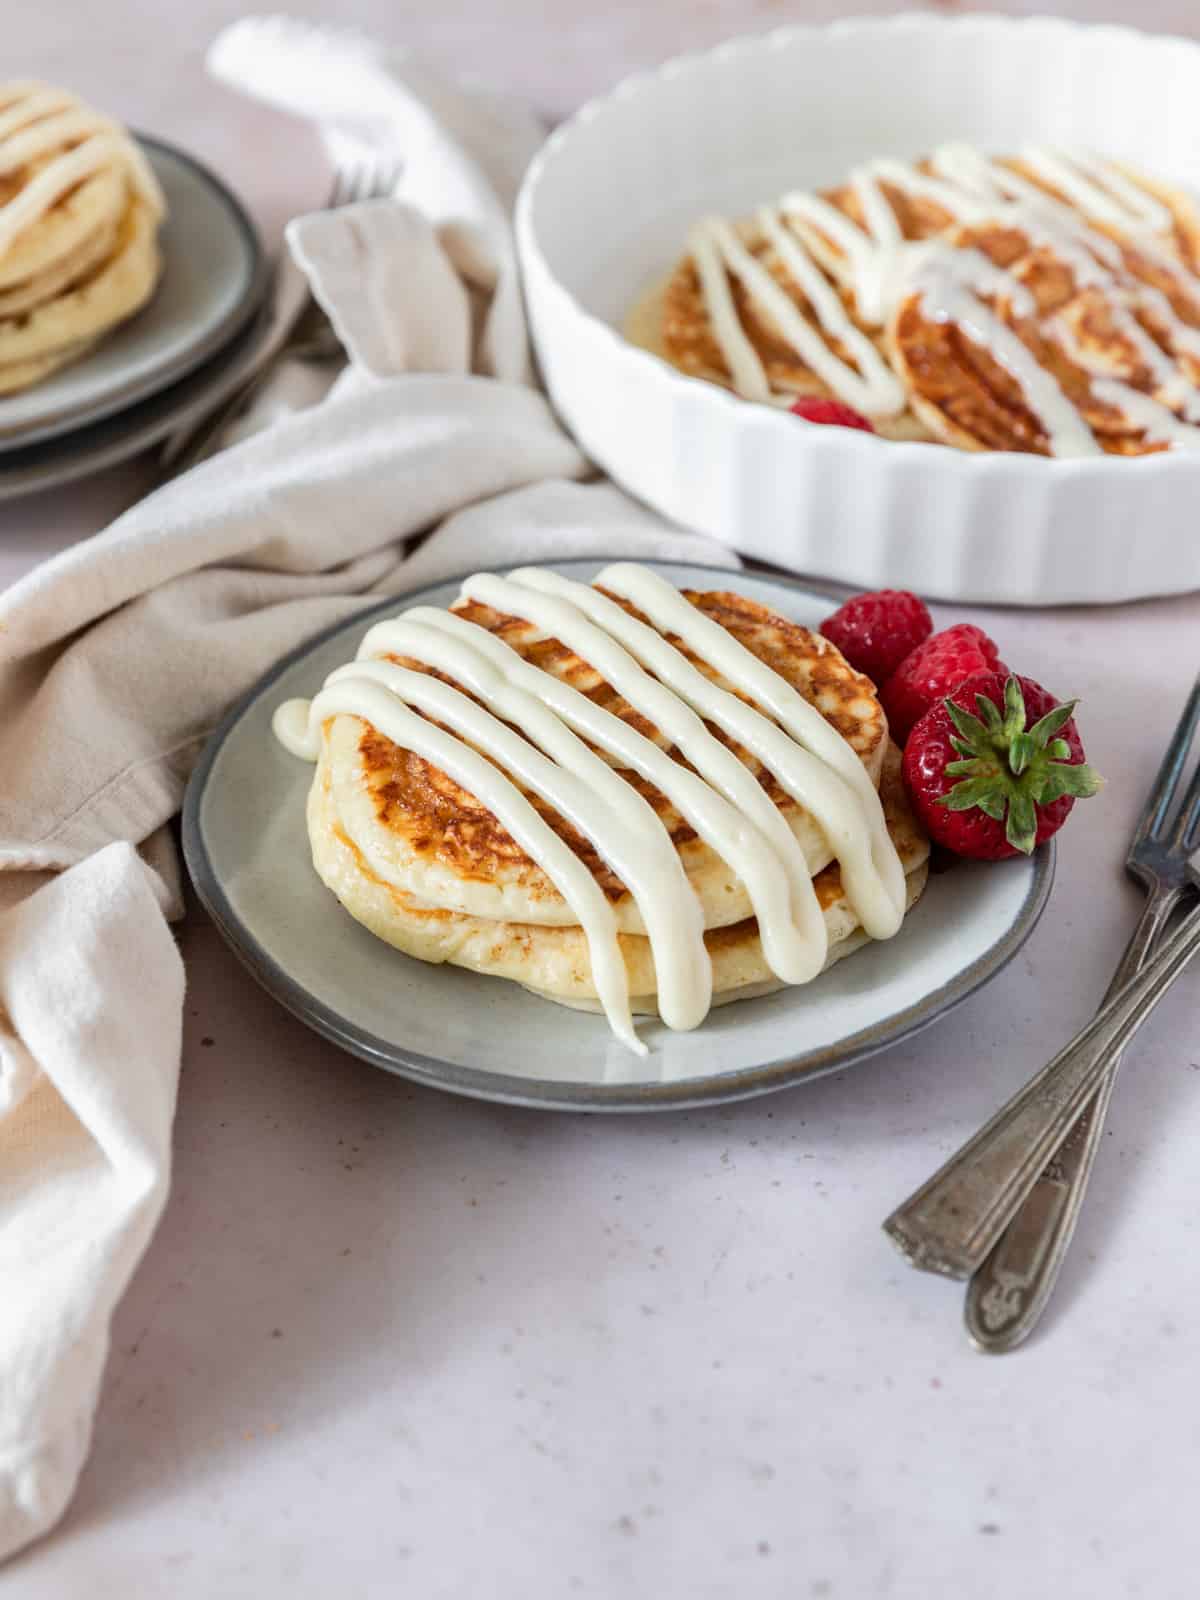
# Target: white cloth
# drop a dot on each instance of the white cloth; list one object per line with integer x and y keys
{"x": 117, "y": 657}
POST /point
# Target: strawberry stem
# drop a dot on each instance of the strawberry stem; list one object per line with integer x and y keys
{"x": 1008, "y": 770}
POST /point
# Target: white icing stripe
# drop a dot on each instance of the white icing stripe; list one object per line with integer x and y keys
{"x": 710, "y": 787}
{"x": 1138, "y": 202}
{"x": 966, "y": 169}
{"x": 1155, "y": 421}
{"x": 29, "y": 107}
{"x": 872, "y": 270}
{"x": 747, "y": 371}
{"x": 37, "y": 122}
{"x": 655, "y": 598}
{"x": 847, "y": 235}
{"x": 1180, "y": 335}
{"x": 877, "y": 212}
{"x": 1172, "y": 387}
{"x": 68, "y": 127}
{"x": 1069, "y": 175}
{"x": 952, "y": 198}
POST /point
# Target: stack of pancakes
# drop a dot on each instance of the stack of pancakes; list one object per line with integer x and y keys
{"x": 79, "y": 213}
{"x": 423, "y": 865}
{"x": 1133, "y": 320}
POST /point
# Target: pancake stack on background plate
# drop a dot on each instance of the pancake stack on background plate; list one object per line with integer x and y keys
{"x": 79, "y": 214}
{"x": 128, "y": 277}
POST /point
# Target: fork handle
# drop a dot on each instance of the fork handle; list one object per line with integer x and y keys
{"x": 951, "y": 1223}
{"x": 1006, "y": 1297}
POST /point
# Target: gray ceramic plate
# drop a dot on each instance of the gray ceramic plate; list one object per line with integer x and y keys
{"x": 247, "y": 850}
{"x": 55, "y": 462}
{"x": 213, "y": 279}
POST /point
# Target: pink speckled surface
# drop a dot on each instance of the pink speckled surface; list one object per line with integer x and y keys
{"x": 391, "y": 1343}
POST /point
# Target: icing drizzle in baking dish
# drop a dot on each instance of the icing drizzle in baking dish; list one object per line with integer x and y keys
{"x": 39, "y": 122}
{"x": 807, "y": 233}
{"x": 554, "y": 755}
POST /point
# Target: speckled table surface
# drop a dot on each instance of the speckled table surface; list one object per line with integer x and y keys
{"x": 387, "y": 1342}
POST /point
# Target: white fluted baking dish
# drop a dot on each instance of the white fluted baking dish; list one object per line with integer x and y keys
{"x": 605, "y": 209}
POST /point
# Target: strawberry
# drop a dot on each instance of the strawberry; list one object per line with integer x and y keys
{"x": 1000, "y": 782}
{"x": 876, "y": 631}
{"x": 934, "y": 670}
{"x": 813, "y": 409}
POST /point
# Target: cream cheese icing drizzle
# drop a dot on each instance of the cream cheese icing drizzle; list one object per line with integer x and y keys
{"x": 1157, "y": 421}
{"x": 670, "y": 612}
{"x": 951, "y": 284}
{"x": 726, "y": 780}
{"x": 881, "y": 267}
{"x": 873, "y": 388}
{"x": 622, "y": 825}
{"x": 384, "y": 703}
{"x": 549, "y": 757}
{"x": 794, "y": 938}
{"x": 1098, "y": 190}
{"x": 37, "y": 121}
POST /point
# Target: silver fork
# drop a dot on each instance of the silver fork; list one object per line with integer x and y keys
{"x": 953, "y": 1222}
{"x": 1006, "y": 1297}
{"x": 306, "y": 334}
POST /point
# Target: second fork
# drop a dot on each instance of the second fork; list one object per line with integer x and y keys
{"x": 1008, "y": 1294}
{"x": 952, "y": 1222}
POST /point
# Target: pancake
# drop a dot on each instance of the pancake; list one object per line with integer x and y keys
{"x": 1044, "y": 303}
{"x": 97, "y": 203}
{"x": 115, "y": 288}
{"x": 617, "y": 793}
{"x": 79, "y": 213}
{"x": 554, "y": 962}
{"x": 64, "y": 273}
{"x": 17, "y": 375}
{"x": 422, "y": 832}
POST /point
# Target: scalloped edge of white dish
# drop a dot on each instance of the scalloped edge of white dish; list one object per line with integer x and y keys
{"x": 836, "y": 503}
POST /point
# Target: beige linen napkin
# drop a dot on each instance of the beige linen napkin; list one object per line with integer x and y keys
{"x": 118, "y": 656}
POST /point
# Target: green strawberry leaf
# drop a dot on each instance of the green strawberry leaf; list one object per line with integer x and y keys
{"x": 1007, "y": 770}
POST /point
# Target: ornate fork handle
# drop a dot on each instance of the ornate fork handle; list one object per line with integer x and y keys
{"x": 952, "y": 1222}
{"x": 1005, "y": 1298}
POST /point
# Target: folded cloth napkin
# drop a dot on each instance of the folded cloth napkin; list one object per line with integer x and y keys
{"x": 118, "y": 656}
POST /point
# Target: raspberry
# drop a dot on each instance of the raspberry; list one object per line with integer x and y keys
{"x": 813, "y": 409}
{"x": 934, "y": 670}
{"x": 876, "y": 631}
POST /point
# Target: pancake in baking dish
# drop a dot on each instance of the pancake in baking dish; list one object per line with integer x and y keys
{"x": 1043, "y": 303}
{"x": 79, "y": 216}
{"x": 617, "y": 794}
